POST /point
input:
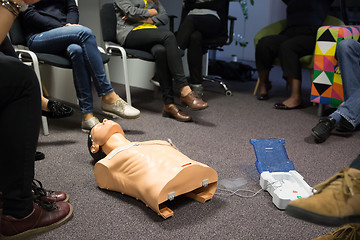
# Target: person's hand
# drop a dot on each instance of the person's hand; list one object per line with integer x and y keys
{"x": 148, "y": 20}
{"x": 153, "y": 12}
{"x": 69, "y": 24}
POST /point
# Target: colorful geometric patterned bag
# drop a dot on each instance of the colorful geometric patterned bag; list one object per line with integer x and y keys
{"x": 327, "y": 86}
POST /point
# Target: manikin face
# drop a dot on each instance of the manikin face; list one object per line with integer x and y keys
{"x": 103, "y": 131}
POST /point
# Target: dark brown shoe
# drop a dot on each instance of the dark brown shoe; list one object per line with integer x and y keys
{"x": 193, "y": 101}
{"x": 174, "y": 112}
{"x": 48, "y": 195}
{"x": 42, "y": 218}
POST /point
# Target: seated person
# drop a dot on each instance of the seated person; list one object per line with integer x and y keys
{"x": 200, "y": 20}
{"x": 50, "y": 108}
{"x": 347, "y": 117}
{"x": 55, "y": 24}
{"x": 150, "y": 171}
{"x": 23, "y": 212}
{"x": 137, "y": 28}
{"x": 303, "y": 18}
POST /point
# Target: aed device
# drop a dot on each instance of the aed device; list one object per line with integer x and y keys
{"x": 277, "y": 172}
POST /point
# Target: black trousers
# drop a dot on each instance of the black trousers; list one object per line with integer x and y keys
{"x": 163, "y": 46}
{"x": 190, "y": 35}
{"x": 20, "y": 112}
{"x": 6, "y": 48}
{"x": 290, "y": 45}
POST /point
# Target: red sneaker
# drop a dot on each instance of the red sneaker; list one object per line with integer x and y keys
{"x": 43, "y": 218}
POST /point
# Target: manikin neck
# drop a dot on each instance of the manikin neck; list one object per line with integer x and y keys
{"x": 115, "y": 141}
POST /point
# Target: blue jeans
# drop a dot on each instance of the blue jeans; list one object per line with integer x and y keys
{"x": 348, "y": 55}
{"x": 79, "y": 43}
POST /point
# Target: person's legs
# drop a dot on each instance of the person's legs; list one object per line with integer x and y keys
{"x": 20, "y": 121}
{"x": 289, "y": 53}
{"x": 347, "y": 116}
{"x": 266, "y": 52}
{"x": 208, "y": 25}
{"x": 194, "y": 57}
{"x": 348, "y": 56}
{"x": 79, "y": 43}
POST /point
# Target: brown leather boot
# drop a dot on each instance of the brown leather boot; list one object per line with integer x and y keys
{"x": 335, "y": 202}
{"x": 347, "y": 232}
{"x": 193, "y": 101}
{"x": 172, "y": 111}
{"x": 41, "y": 219}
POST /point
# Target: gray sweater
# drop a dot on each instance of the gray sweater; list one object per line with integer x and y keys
{"x": 135, "y": 11}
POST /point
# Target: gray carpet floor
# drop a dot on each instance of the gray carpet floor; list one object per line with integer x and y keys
{"x": 219, "y": 137}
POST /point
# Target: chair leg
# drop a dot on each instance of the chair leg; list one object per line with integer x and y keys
{"x": 217, "y": 79}
{"x": 107, "y": 72}
{"x": 43, "y": 118}
{"x": 256, "y": 86}
{"x": 320, "y": 110}
{"x": 126, "y": 76}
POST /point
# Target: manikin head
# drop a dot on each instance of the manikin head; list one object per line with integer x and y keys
{"x": 99, "y": 135}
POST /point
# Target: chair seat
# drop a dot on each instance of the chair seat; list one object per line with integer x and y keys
{"x": 135, "y": 53}
{"x": 58, "y": 61}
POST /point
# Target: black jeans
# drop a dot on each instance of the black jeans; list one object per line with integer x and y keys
{"x": 20, "y": 111}
{"x": 290, "y": 45}
{"x": 190, "y": 36}
{"x": 163, "y": 46}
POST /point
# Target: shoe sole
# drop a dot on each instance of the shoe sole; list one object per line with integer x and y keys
{"x": 168, "y": 115}
{"x": 193, "y": 109}
{"x": 317, "y": 138}
{"x": 320, "y": 219}
{"x": 118, "y": 116}
{"x": 32, "y": 232}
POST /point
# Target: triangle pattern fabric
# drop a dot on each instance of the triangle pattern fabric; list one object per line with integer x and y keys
{"x": 326, "y": 36}
{"x": 322, "y": 79}
{"x": 321, "y": 88}
{"x": 324, "y": 47}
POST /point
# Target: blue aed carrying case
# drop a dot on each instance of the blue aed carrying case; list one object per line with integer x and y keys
{"x": 277, "y": 172}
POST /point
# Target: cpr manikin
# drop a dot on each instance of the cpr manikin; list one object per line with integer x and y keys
{"x": 151, "y": 171}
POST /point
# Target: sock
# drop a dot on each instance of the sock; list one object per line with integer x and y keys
{"x": 336, "y": 116}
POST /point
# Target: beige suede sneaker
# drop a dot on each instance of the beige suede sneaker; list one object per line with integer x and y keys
{"x": 88, "y": 124}
{"x": 120, "y": 109}
{"x": 336, "y": 201}
{"x": 346, "y": 232}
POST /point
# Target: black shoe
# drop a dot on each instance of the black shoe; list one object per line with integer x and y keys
{"x": 39, "y": 156}
{"x": 57, "y": 110}
{"x": 263, "y": 97}
{"x": 323, "y": 129}
{"x": 345, "y": 126}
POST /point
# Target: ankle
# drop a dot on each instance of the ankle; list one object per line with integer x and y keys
{"x": 110, "y": 98}
{"x": 87, "y": 116}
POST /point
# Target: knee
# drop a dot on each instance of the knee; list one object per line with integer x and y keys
{"x": 158, "y": 50}
{"x": 346, "y": 47}
{"x": 74, "y": 50}
{"x": 262, "y": 45}
{"x": 196, "y": 37}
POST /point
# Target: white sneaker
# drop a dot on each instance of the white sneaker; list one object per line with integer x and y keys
{"x": 120, "y": 109}
{"x": 87, "y": 125}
